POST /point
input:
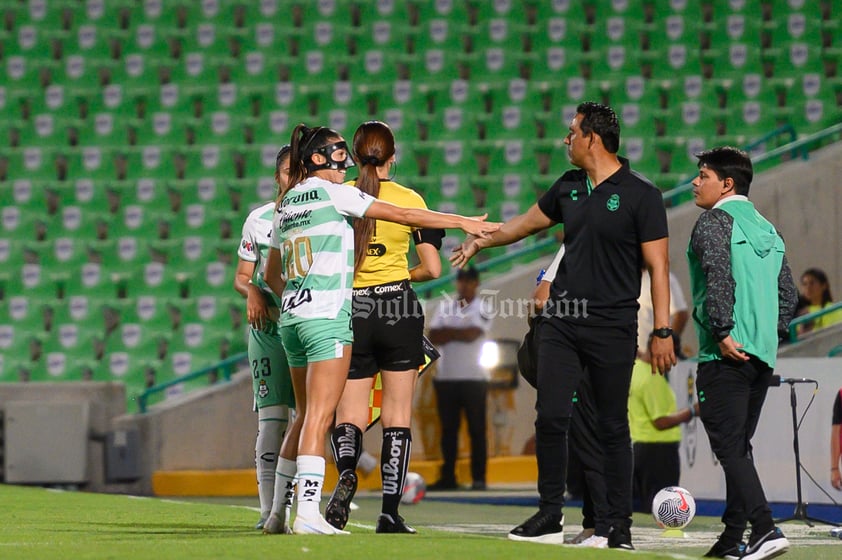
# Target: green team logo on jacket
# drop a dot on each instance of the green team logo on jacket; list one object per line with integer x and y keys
{"x": 613, "y": 203}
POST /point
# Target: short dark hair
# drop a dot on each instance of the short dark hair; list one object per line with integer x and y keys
{"x": 727, "y": 161}
{"x": 468, "y": 273}
{"x": 601, "y": 120}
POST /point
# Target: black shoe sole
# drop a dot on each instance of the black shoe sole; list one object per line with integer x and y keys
{"x": 338, "y": 509}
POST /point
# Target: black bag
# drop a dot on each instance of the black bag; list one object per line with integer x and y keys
{"x": 527, "y": 355}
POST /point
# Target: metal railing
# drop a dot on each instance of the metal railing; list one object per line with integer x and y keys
{"x": 227, "y": 367}
{"x": 681, "y": 193}
{"x": 440, "y": 285}
{"x": 810, "y": 317}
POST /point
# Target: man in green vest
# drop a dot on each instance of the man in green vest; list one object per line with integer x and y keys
{"x": 743, "y": 299}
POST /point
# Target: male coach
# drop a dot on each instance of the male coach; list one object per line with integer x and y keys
{"x": 614, "y": 224}
{"x": 743, "y": 299}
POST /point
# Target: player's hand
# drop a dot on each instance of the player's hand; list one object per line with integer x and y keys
{"x": 463, "y": 253}
{"x": 477, "y": 226}
{"x": 730, "y": 349}
{"x": 257, "y": 312}
{"x": 836, "y": 479}
{"x": 662, "y": 353}
{"x": 540, "y": 296}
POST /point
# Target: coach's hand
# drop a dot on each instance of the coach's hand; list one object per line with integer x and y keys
{"x": 257, "y": 312}
{"x": 463, "y": 253}
{"x": 730, "y": 349}
{"x": 662, "y": 354}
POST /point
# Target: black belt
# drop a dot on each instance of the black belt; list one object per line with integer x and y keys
{"x": 387, "y": 289}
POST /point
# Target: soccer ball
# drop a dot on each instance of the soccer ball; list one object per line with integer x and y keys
{"x": 415, "y": 489}
{"x": 673, "y": 508}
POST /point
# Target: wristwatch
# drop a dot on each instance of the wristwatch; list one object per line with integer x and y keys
{"x": 664, "y": 332}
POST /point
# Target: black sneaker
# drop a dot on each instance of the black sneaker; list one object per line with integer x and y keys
{"x": 726, "y": 549}
{"x": 620, "y": 537}
{"x": 443, "y": 485}
{"x": 479, "y": 485}
{"x": 395, "y": 525}
{"x": 339, "y": 507}
{"x": 769, "y": 545}
{"x": 542, "y": 527}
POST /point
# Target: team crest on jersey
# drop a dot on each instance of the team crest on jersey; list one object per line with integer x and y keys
{"x": 247, "y": 245}
{"x": 613, "y": 203}
{"x": 263, "y": 389}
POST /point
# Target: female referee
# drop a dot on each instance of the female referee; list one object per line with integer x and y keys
{"x": 311, "y": 266}
{"x": 388, "y": 325}
{"x": 273, "y": 394}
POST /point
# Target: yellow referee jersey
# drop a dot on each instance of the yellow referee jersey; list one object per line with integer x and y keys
{"x": 386, "y": 260}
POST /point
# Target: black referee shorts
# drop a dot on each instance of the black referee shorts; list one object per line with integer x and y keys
{"x": 388, "y": 322}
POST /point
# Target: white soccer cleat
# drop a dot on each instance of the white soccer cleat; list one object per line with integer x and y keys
{"x": 594, "y": 541}
{"x": 315, "y": 526}
{"x": 276, "y": 525}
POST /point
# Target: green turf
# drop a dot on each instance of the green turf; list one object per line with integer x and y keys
{"x": 42, "y": 524}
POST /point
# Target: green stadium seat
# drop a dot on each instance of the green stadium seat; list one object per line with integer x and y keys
{"x": 510, "y": 122}
{"x": 255, "y": 70}
{"x": 793, "y": 60}
{"x": 94, "y": 162}
{"x": 11, "y": 254}
{"x": 496, "y": 64}
{"x": 24, "y": 73}
{"x": 494, "y": 32}
{"x": 170, "y": 98}
{"x": 259, "y": 160}
{"x": 643, "y": 155}
{"x": 45, "y": 130}
{"x": 88, "y": 279}
{"x": 232, "y": 98}
{"x": 505, "y": 156}
{"x": 434, "y": 9}
{"x": 207, "y": 38}
{"x": 435, "y": 66}
{"x": 153, "y": 279}
{"x": 262, "y": 37}
{"x": 208, "y": 160}
{"x": 112, "y": 98}
{"x": 22, "y": 223}
{"x": 101, "y": 13}
{"x": 669, "y": 28}
{"x": 32, "y": 281}
{"x": 214, "y": 278}
{"x": 393, "y": 37}
{"x": 731, "y": 61}
{"x": 137, "y": 72}
{"x": 218, "y": 127}
{"x": 159, "y": 129}
{"x": 150, "y": 40}
{"x": 192, "y": 68}
{"x": 150, "y": 161}
{"x": 102, "y": 129}
{"x": 793, "y": 27}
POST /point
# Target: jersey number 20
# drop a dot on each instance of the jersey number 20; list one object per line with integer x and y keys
{"x": 298, "y": 255}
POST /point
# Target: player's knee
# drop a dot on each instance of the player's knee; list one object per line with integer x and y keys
{"x": 614, "y": 429}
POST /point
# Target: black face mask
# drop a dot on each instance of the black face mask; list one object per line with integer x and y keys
{"x": 331, "y": 163}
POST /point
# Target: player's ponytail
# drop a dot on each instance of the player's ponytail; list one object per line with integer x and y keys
{"x": 303, "y": 143}
{"x": 374, "y": 146}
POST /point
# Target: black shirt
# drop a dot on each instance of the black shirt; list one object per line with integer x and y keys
{"x": 837, "y": 408}
{"x": 599, "y": 275}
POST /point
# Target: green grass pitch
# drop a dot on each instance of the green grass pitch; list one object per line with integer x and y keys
{"x": 43, "y": 524}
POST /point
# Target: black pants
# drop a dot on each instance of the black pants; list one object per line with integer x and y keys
{"x": 656, "y": 466}
{"x": 453, "y": 397}
{"x": 731, "y": 397}
{"x": 564, "y": 351}
{"x": 586, "y": 460}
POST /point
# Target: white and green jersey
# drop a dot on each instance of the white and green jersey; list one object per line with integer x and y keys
{"x": 254, "y": 246}
{"x": 314, "y": 234}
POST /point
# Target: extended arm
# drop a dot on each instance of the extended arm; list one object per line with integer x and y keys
{"x": 656, "y": 257}
{"x": 676, "y": 418}
{"x": 419, "y": 217}
{"x": 528, "y": 223}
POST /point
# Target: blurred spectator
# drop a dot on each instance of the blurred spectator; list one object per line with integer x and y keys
{"x": 836, "y": 442}
{"x": 815, "y": 289}
{"x": 458, "y": 329}
{"x": 654, "y": 421}
{"x": 679, "y": 313}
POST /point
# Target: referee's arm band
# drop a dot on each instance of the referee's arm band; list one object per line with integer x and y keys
{"x": 432, "y": 236}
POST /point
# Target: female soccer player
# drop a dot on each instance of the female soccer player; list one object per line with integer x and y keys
{"x": 388, "y": 324}
{"x": 273, "y": 394}
{"x": 311, "y": 266}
